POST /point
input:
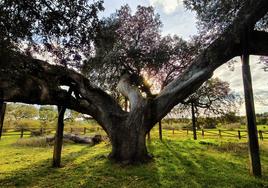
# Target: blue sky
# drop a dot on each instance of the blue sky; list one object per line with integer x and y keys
{"x": 177, "y": 20}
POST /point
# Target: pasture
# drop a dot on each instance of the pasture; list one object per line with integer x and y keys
{"x": 178, "y": 161}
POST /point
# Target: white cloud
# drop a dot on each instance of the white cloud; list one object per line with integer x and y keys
{"x": 259, "y": 81}
{"x": 168, "y": 6}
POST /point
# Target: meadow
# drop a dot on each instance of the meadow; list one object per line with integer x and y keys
{"x": 178, "y": 161}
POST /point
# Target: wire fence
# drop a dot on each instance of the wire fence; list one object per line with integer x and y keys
{"x": 21, "y": 132}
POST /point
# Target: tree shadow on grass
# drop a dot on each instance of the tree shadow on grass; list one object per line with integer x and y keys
{"x": 175, "y": 164}
{"x": 88, "y": 167}
{"x": 31, "y": 174}
{"x": 196, "y": 166}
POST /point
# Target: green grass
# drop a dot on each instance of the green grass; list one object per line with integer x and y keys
{"x": 178, "y": 161}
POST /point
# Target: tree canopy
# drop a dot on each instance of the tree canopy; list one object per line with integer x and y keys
{"x": 214, "y": 16}
{"x": 132, "y": 43}
{"x": 62, "y": 29}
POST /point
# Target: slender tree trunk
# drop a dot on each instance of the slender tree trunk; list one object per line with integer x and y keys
{"x": 160, "y": 130}
{"x": 254, "y": 154}
{"x": 58, "y": 138}
{"x": 2, "y": 116}
{"x": 149, "y": 136}
{"x": 193, "y": 121}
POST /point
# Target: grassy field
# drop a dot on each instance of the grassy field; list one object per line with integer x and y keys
{"x": 178, "y": 162}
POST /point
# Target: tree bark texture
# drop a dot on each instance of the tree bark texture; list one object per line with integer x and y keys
{"x": 58, "y": 138}
{"x": 253, "y": 144}
{"x": 32, "y": 81}
{"x": 193, "y": 121}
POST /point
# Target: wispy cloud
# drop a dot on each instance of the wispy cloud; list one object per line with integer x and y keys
{"x": 260, "y": 84}
{"x": 168, "y": 6}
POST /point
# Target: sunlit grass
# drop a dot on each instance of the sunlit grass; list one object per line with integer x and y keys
{"x": 178, "y": 161}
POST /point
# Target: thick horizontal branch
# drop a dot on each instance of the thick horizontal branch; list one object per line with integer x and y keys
{"x": 32, "y": 81}
{"x": 258, "y": 43}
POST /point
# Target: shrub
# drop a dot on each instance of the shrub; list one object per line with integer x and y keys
{"x": 233, "y": 147}
{"x": 230, "y": 126}
{"x": 33, "y": 142}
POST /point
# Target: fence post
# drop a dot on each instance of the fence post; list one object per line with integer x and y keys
{"x": 21, "y": 133}
{"x": 260, "y": 134}
{"x": 203, "y": 133}
{"x": 219, "y": 133}
{"x": 2, "y": 116}
{"x": 239, "y": 134}
{"x": 187, "y": 131}
{"x": 85, "y": 130}
{"x": 41, "y": 131}
{"x": 160, "y": 130}
{"x": 253, "y": 142}
{"x": 71, "y": 130}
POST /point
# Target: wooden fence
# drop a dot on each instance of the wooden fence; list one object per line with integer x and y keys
{"x": 209, "y": 133}
{"x": 21, "y": 132}
{"x": 204, "y": 133}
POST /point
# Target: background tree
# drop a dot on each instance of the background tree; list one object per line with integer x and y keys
{"x": 230, "y": 117}
{"x": 47, "y": 115}
{"x": 214, "y": 97}
{"x": 22, "y": 111}
{"x": 21, "y": 115}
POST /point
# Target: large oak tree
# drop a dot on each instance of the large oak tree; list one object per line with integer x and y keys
{"x": 33, "y": 81}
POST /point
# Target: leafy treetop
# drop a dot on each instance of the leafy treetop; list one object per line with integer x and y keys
{"x": 63, "y": 29}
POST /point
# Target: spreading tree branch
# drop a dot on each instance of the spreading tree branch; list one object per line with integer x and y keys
{"x": 224, "y": 48}
{"x": 32, "y": 81}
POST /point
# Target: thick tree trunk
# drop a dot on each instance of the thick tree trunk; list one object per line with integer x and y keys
{"x": 129, "y": 146}
{"x": 193, "y": 122}
{"x": 129, "y": 139}
{"x": 2, "y": 116}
